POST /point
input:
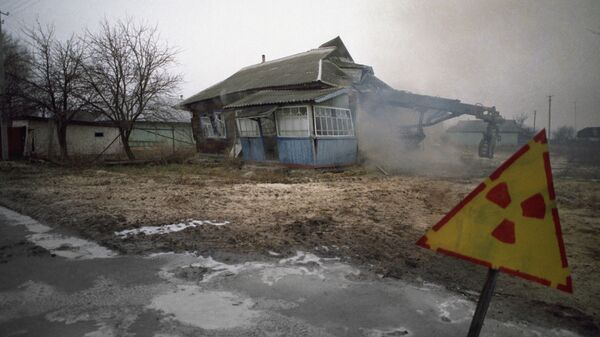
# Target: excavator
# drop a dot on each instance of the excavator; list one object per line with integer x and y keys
{"x": 433, "y": 110}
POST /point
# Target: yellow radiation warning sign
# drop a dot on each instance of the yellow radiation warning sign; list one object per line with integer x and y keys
{"x": 510, "y": 221}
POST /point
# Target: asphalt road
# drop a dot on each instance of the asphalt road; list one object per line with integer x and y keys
{"x": 54, "y": 284}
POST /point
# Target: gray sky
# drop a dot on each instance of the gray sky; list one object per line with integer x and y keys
{"x": 510, "y": 54}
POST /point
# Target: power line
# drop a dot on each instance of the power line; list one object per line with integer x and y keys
{"x": 575, "y": 115}
{"x": 549, "y": 114}
{"x": 18, "y": 9}
{"x": 25, "y": 5}
{"x": 10, "y": 4}
{"x": 20, "y": 6}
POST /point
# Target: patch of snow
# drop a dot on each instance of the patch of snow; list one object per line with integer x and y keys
{"x": 301, "y": 264}
{"x": 17, "y": 219}
{"x": 456, "y": 310}
{"x": 104, "y": 331}
{"x": 223, "y": 269}
{"x": 272, "y": 253}
{"x": 65, "y": 246}
{"x": 271, "y": 276}
{"x": 331, "y": 259}
{"x": 394, "y": 332}
{"x": 302, "y": 258}
{"x": 165, "y": 229}
{"x": 564, "y": 333}
{"x": 298, "y": 265}
{"x": 70, "y": 247}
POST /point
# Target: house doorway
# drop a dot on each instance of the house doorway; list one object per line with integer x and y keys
{"x": 269, "y": 135}
{"x": 16, "y": 142}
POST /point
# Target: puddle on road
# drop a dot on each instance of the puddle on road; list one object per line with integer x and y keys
{"x": 206, "y": 309}
{"x": 324, "y": 293}
{"x": 62, "y": 245}
{"x": 301, "y": 295}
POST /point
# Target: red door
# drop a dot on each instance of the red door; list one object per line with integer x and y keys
{"x": 16, "y": 142}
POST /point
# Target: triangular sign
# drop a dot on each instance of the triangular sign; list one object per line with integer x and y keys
{"x": 510, "y": 221}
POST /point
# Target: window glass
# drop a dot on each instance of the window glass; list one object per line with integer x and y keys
{"x": 333, "y": 122}
{"x": 248, "y": 127}
{"x": 207, "y": 129}
{"x": 292, "y": 122}
{"x": 213, "y": 128}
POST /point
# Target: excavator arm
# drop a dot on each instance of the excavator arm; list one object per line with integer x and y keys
{"x": 433, "y": 110}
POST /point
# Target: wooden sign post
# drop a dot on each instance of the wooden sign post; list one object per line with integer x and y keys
{"x": 484, "y": 302}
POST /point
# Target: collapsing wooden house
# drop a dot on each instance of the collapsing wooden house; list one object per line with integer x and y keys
{"x": 308, "y": 109}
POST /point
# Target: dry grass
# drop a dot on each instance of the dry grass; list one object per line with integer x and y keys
{"x": 372, "y": 220}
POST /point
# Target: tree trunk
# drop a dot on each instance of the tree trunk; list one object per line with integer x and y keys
{"x": 197, "y": 131}
{"x": 125, "y": 140}
{"x": 61, "y": 133}
{"x": 50, "y": 140}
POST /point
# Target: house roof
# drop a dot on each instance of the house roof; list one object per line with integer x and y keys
{"x": 479, "y": 126}
{"x": 341, "y": 51}
{"x": 100, "y": 123}
{"x": 589, "y": 132}
{"x": 266, "y": 97}
{"x": 167, "y": 114}
{"x": 262, "y": 111}
{"x": 160, "y": 110}
{"x": 72, "y": 122}
{"x": 304, "y": 68}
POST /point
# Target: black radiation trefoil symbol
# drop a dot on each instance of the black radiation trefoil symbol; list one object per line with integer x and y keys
{"x": 532, "y": 207}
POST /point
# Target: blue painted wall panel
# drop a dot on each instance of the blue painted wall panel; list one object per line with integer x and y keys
{"x": 253, "y": 148}
{"x": 295, "y": 150}
{"x": 336, "y": 151}
{"x": 329, "y": 151}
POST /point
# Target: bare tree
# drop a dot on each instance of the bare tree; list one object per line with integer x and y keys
{"x": 520, "y": 119}
{"x": 127, "y": 69}
{"x": 594, "y": 31}
{"x": 17, "y": 66}
{"x": 55, "y": 82}
{"x": 564, "y": 134}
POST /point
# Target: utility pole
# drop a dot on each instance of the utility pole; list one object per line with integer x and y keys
{"x": 575, "y": 115}
{"x": 3, "y": 117}
{"x": 534, "y": 116}
{"x": 549, "y": 114}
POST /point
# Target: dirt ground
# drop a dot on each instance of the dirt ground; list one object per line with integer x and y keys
{"x": 359, "y": 214}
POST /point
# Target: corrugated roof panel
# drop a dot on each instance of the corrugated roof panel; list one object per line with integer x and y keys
{"x": 265, "y": 97}
{"x": 332, "y": 74}
{"x": 292, "y": 70}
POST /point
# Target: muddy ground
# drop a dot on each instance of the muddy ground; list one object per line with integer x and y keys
{"x": 359, "y": 214}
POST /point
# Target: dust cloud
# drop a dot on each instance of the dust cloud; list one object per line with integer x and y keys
{"x": 383, "y": 146}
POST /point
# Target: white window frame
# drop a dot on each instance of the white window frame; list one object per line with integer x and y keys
{"x": 307, "y": 107}
{"x": 241, "y": 132}
{"x": 208, "y": 130}
{"x": 206, "y": 127}
{"x": 350, "y": 119}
